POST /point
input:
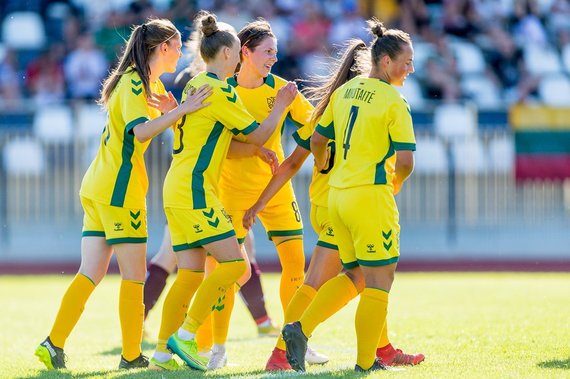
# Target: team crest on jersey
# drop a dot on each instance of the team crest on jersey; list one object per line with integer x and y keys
{"x": 197, "y": 228}
{"x": 271, "y": 102}
{"x": 118, "y": 227}
{"x": 370, "y": 248}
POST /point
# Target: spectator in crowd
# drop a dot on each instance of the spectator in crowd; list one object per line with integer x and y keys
{"x": 10, "y": 86}
{"x": 84, "y": 69}
{"x": 45, "y": 80}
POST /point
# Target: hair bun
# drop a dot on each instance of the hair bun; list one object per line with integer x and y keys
{"x": 376, "y": 27}
{"x": 209, "y": 25}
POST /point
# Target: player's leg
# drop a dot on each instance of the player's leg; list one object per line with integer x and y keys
{"x": 95, "y": 257}
{"x": 252, "y": 293}
{"x": 131, "y": 258}
{"x": 392, "y": 356}
{"x": 160, "y": 267}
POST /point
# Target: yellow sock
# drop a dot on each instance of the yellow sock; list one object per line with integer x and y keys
{"x": 296, "y": 307}
{"x": 210, "y": 292}
{"x": 221, "y": 316}
{"x": 176, "y": 304}
{"x": 332, "y": 297}
{"x": 204, "y": 335}
{"x": 131, "y": 314}
{"x": 384, "y": 340}
{"x": 292, "y": 258}
{"x": 369, "y": 321}
{"x": 71, "y": 308}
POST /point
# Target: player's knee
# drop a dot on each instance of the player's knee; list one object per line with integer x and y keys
{"x": 357, "y": 279}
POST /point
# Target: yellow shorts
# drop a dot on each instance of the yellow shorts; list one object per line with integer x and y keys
{"x": 322, "y": 225}
{"x": 280, "y": 220}
{"x": 191, "y": 228}
{"x": 116, "y": 224}
{"x": 365, "y": 221}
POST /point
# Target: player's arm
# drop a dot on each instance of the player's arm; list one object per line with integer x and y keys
{"x": 282, "y": 175}
{"x": 243, "y": 150}
{"x": 285, "y": 96}
{"x": 403, "y": 169}
{"x": 149, "y": 129}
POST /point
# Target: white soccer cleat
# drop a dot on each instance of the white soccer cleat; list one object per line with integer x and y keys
{"x": 218, "y": 359}
{"x": 313, "y": 357}
{"x": 206, "y": 354}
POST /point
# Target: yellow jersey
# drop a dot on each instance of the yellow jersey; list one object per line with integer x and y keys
{"x": 369, "y": 120}
{"x": 239, "y": 191}
{"x": 201, "y": 143}
{"x": 117, "y": 176}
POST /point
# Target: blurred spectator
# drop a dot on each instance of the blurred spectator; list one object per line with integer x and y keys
{"x": 440, "y": 84}
{"x": 527, "y": 26}
{"x": 415, "y": 18}
{"x": 44, "y": 76}
{"x": 10, "y": 86}
{"x": 311, "y": 29}
{"x": 348, "y": 25}
{"x": 508, "y": 66}
{"x": 111, "y": 36}
{"x": 85, "y": 68}
{"x": 460, "y": 18}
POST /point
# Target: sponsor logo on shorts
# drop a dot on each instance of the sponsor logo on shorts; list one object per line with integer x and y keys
{"x": 370, "y": 248}
{"x": 197, "y": 228}
{"x": 118, "y": 227}
{"x": 330, "y": 232}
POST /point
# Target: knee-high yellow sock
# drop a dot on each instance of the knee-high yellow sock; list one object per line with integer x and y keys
{"x": 292, "y": 258}
{"x": 131, "y": 314}
{"x": 384, "y": 340}
{"x": 300, "y": 301}
{"x": 204, "y": 337}
{"x": 176, "y": 304}
{"x": 71, "y": 308}
{"x": 221, "y": 316}
{"x": 210, "y": 292}
{"x": 331, "y": 297}
{"x": 369, "y": 321}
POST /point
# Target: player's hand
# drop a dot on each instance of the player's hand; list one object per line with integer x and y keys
{"x": 164, "y": 103}
{"x": 397, "y": 186}
{"x": 286, "y": 95}
{"x": 249, "y": 217}
{"x": 195, "y": 100}
{"x": 269, "y": 157}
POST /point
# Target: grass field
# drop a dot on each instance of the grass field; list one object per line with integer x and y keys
{"x": 469, "y": 325}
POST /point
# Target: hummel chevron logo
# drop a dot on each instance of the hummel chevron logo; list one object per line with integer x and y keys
{"x": 387, "y": 235}
{"x": 135, "y": 215}
{"x": 209, "y": 214}
{"x": 136, "y": 83}
{"x": 215, "y": 222}
{"x": 137, "y": 225}
{"x": 232, "y": 99}
{"x": 227, "y": 90}
{"x": 387, "y": 246}
{"x": 136, "y": 91}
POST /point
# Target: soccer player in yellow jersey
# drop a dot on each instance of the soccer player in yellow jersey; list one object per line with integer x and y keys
{"x": 309, "y": 304}
{"x": 372, "y": 128}
{"x": 114, "y": 187}
{"x": 196, "y": 218}
{"x": 281, "y": 217}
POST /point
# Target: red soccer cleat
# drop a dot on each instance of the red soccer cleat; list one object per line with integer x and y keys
{"x": 277, "y": 361}
{"x": 396, "y": 357}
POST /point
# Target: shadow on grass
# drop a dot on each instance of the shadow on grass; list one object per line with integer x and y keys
{"x": 556, "y": 363}
{"x": 64, "y": 374}
{"x": 117, "y": 350}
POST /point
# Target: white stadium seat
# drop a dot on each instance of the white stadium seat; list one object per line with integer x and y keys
{"x": 91, "y": 120}
{"x": 469, "y": 156}
{"x": 24, "y": 157}
{"x": 23, "y": 30}
{"x": 469, "y": 57}
{"x": 501, "y": 153}
{"x": 554, "y": 90}
{"x": 430, "y": 156}
{"x": 53, "y": 124}
{"x": 542, "y": 60}
{"x": 454, "y": 121}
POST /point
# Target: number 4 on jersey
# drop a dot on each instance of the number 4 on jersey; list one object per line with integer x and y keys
{"x": 348, "y": 130}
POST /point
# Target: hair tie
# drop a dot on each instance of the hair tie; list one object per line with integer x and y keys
{"x": 144, "y": 28}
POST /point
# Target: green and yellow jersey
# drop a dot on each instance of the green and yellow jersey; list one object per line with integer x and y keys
{"x": 117, "y": 176}
{"x": 369, "y": 120}
{"x": 259, "y": 102}
{"x": 201, "y": 143}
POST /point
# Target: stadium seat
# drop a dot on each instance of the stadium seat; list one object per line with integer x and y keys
{"x": 53, "y": 124}
{"x": 430, "y": 156}
{"x": 91, "y": 120}
{"x": 566, "y": 57}
{"x": 469, "y": 156}
{"x": 501, "y": 153}
{"x": 23, "y": 30}
{"x": 24, "y": 157}
{"x": 469, "y": 57}
{"x": 412, "y": 91}
{"x": 482, "y": 90}
{"x": 554, "y": 90}
{"x": 542, "y": 60}
{"x": 422, "y": 52}
{"x": 454, "y": 121}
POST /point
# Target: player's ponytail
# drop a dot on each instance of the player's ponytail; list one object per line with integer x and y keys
{"x": 354, "y": 62}
{"x": 212, "y": 36}
{"x": 386, "y": 41}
